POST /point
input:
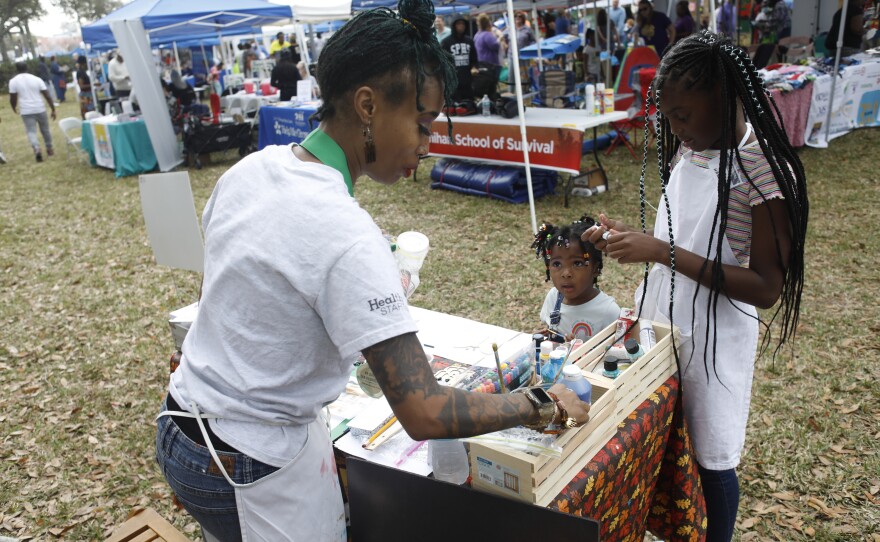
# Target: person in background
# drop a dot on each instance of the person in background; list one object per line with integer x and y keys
{"x": 46, "y": 75}
{"x": 298, "y": 281}
{"x": 284, "y": 76}
{"x": 59, "y": 79}
{"x": 305, "y": 75}
{"x": 440, "y": 29}
{"x": 654, "y": 27}
{"x": 182, "y": 91}
{"x": 549, "y": 20}
{"x": 725, "y": 16}
{"x": 118, "y": 74}
{"x": 728, "y": 239}
{"x": 318, "y": 46}
{"x": 485, "y": 41}
{"x": 215, "y": 78}
{"x": 618, "y": 18}
{"x": 464, "y": 55}
{"x": 277, "y": 45}
{"x": 783, "y": 19}
{"x": 27, "y": 92}
{"x": 524, "y": 34}
{"x": 602, "y": 37}
{"x": 852, "y": 31}
{"x": 86, "y": 101}
{"x": 563, "y": 23}
{"x": 684, "y": 22}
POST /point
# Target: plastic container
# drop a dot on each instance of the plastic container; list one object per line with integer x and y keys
{"x": 608, "y": 100}
{"x": 550, "y": 369}
{"x": 609, "y": 369}
{"x": 249, "y": 87}
{"x": 647, "y": 337}
{"x": 590, "y": 96}
{"x": 543, "y": 358}
{"x": 598, "y": 100}
{"x": 412, "y": 248}
{"x": 449, "y": 460}
{"x": 573, "y": 379}
{"x": 486, "y": 106}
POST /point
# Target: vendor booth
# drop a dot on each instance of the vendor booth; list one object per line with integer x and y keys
{"x": 123, "y": 146}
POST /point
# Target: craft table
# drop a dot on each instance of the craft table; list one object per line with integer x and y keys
{"x": 555, "y": 138}
{"x": 285, "y": 124}
{"x": 645, "y": 477}
{"x": 124, "y": 147}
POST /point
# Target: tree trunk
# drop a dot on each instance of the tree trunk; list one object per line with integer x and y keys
{"x": 30, "y": 38}
{"x": 4, "y": 57}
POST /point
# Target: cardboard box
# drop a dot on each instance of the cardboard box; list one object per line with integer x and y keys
{"x": 538, "y": 479}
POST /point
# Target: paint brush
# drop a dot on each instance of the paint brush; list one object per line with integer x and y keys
{"x": 498, "y": 367}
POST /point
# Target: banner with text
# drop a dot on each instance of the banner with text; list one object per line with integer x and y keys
{"x": 856, "y": 103}
{"x": 283, "y": 125}
{"x": 558, "y": 149}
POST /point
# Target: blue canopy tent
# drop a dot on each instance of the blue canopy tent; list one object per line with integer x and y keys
{"x": 172, "y": 20}
{"x": 133, "y": 25}
{"x": 553, "y": 46}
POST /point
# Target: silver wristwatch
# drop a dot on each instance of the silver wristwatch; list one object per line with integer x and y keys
{"x": 543, "y": 403}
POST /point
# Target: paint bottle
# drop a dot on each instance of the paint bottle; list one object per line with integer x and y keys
{"x": 633, "y": 350}
{"x": 609, "y": 369}
{"x": 573, "y": 379}
{"x": 550, "y": 369}
{"x": 546, "y": 350}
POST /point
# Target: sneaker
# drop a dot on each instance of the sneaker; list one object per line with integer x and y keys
{"x": 50, "y": 151}
{"x": 2, "y": 158}
{"x": 39, "y": 156}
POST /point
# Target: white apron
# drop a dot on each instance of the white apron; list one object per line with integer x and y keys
{"x": 300, "y": 502}
{"x": 716, "y": 408}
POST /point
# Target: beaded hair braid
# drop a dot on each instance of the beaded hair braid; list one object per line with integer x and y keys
{"x": 381, "y": 46}
{"x": 704, "y": 61}
{"x": 550, "y": 236}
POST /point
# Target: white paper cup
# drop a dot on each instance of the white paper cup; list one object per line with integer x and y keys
{"x": 412, "y": 248}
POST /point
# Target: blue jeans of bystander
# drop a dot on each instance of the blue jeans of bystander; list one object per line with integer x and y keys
{"x": 721, "y": 490}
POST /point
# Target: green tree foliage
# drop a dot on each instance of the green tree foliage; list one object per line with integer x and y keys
{"x": 14, "y": 17}
{"x": 87, "y": 10}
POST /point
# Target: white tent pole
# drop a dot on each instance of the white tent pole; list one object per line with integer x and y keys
{"x": 517, "y": 78}
{"x": 537, "y": 34}
{"x": 176, "y": 56}
{"x": 205, "y": 59}
{"x": 834, "y": 74}
{"x": 608, "y": 81}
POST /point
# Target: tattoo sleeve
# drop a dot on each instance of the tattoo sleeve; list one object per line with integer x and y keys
{"x": 429, "y": 410}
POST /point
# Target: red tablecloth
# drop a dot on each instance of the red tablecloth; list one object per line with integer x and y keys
{"x": 644, "y": 478}
{"x": 794, "y": 107}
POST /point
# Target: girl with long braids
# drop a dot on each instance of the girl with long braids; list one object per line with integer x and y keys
{"x": 729, "y": 237}
{"x": 297, "y": 281}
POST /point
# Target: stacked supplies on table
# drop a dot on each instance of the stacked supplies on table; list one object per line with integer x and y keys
{"x": 507, "y": 183}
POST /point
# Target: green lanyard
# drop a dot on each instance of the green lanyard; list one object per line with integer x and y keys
{"x": 330, "y": 154}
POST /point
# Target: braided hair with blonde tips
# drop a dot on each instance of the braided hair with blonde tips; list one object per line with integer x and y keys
{"x": 384, "y": 48}
{"x": 706, "y": 61}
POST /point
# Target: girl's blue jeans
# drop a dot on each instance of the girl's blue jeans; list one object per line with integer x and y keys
{"x": 198, "y": 483}
{"x": 721, "y": 490}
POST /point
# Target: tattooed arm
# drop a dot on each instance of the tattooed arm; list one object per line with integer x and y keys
{"x": 428, "y": 410}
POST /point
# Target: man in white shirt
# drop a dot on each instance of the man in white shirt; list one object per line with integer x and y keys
{"x": 28, "y": 92}
{"x": 618, "y": 17}
{"x": 118, "y": 74}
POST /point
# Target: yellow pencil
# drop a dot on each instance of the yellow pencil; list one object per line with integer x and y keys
{"x": 381, "y": 430}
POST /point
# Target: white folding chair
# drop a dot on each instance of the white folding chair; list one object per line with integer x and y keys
{"x": 236, "y": 105}
{"x": 92, "y": 115}
{"x": 251, "y": 109}
{"x": 171, "y": 220}
{"x": 71, "y": 127}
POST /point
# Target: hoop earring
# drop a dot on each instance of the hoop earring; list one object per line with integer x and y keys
{"x": 369, "y": 145}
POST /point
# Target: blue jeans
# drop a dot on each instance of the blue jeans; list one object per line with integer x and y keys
{"x": 199, "y": 485}
{"x": 721, "y": 490}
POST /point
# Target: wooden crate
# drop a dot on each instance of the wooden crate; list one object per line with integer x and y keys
{"x": 538, "y": 479}
{"x": 146, "y": 526}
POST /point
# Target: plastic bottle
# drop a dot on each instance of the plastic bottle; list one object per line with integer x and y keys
{"x": 486, "y": 105}
{"x": 544, "y": 359}
{"x": 633, "y": 350}
{"x": 449, "y": 460}
{"x": 590, "y": 104}
{"x": 599, "y": 99}
{"x": 574, "y": 380}
{"x": 550, "y": 369}
{"x": 647, "y": 337}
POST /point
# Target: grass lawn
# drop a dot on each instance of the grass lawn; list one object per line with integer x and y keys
{"x": 84, "y": 339}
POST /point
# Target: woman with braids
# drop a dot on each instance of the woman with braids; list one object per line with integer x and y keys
{"x": 729, "y": 237}
{"x": 574, "y": 308}
{"x": 297, "y": 281}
